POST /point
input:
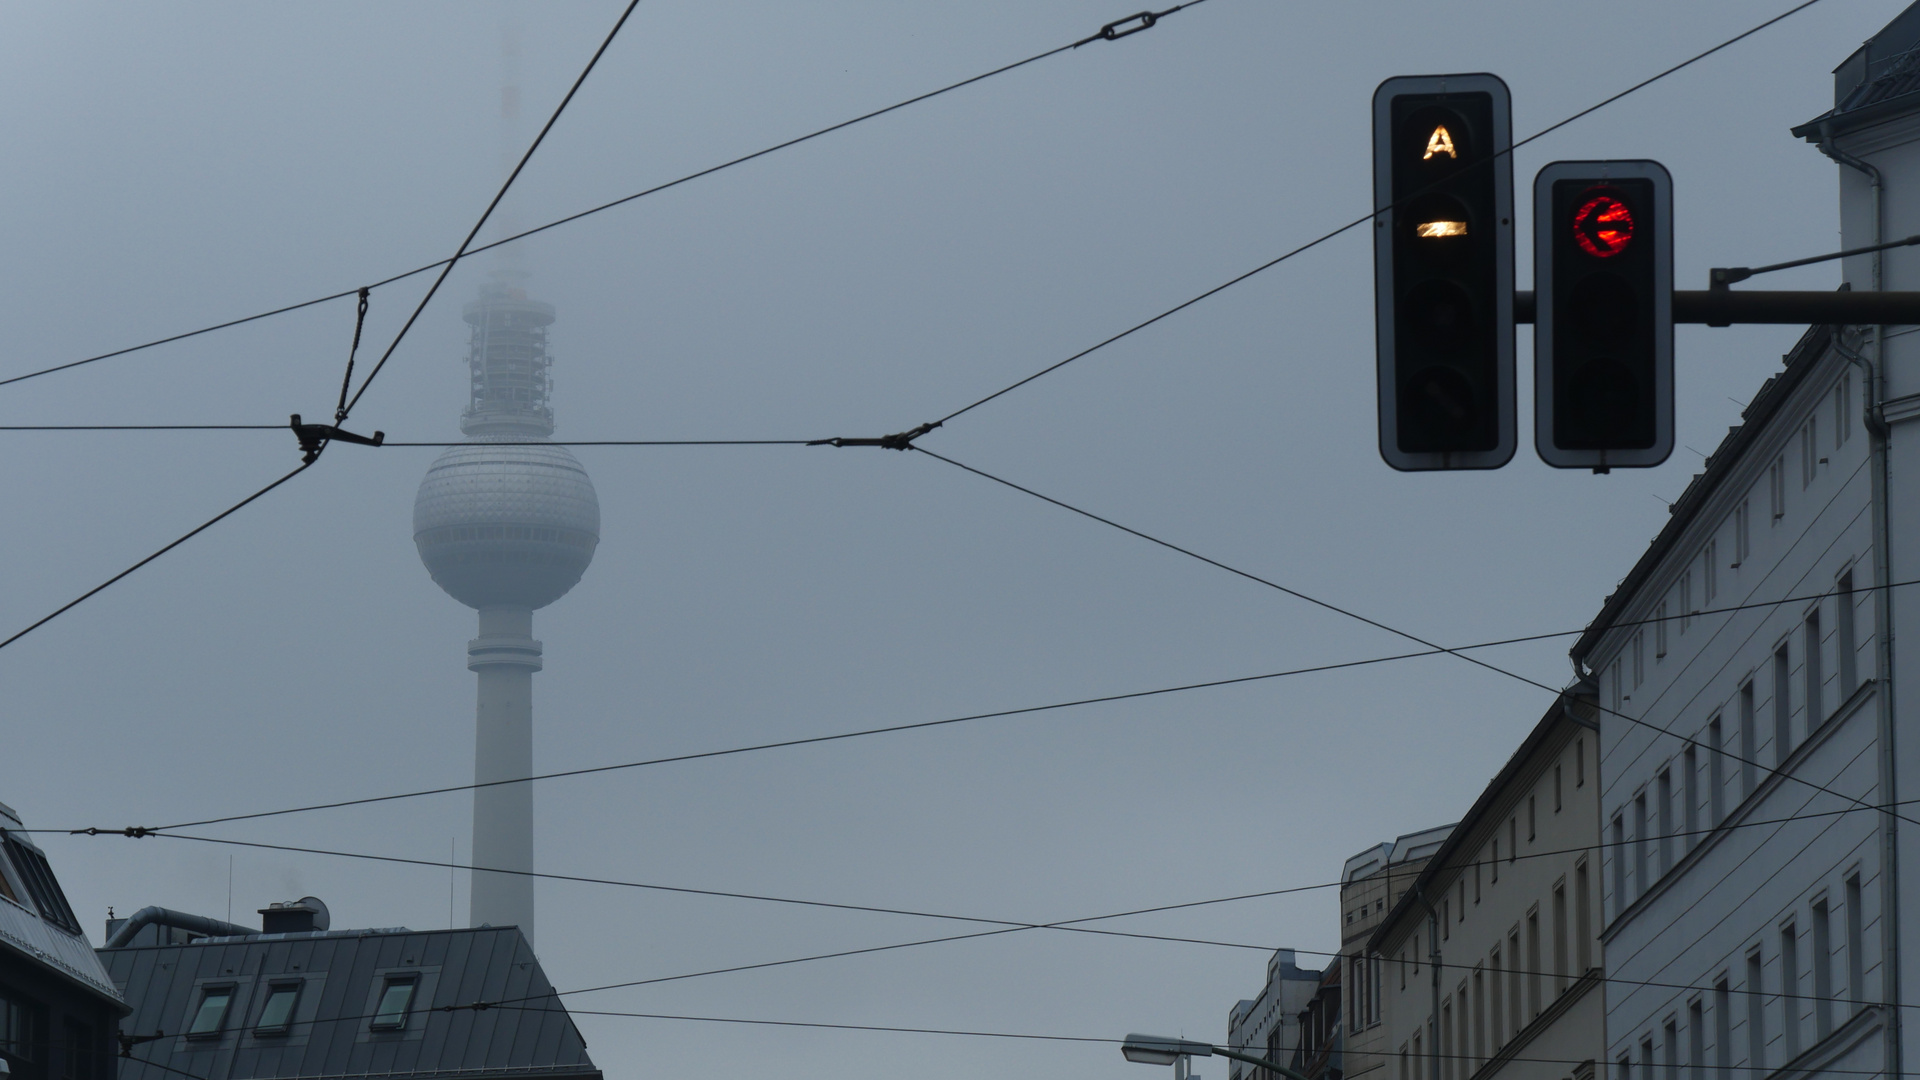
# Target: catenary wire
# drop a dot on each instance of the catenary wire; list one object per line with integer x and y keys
{"x": 570, "y": 218}
{"x": 196, "y": 531}
{"x": 347, "y": 404}
{"x": 1688, "y": 739}
{"x": 917, "y": 725}
{"x": 1018, "y": 925}
{"x": 1363, "y": 219}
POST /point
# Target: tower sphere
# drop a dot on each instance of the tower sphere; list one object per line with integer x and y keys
{"x": 507, "y": 523}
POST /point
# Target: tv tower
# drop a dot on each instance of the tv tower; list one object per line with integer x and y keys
{"x": 506, "y": 526}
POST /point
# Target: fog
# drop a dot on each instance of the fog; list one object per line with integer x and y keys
{"x": 169, "y": 167}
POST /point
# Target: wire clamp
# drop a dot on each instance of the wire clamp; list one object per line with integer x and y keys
{"x": 898, "y": 441}
{"x": 314, "y": 438}
{"x": 1128, "y": 26}
{"x": 138, "y": 832}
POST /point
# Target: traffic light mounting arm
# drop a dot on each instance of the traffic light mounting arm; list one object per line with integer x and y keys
{"x": 1724, "y": 307}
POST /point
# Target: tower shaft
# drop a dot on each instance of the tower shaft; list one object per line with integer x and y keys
{"x": 504, "y": 658}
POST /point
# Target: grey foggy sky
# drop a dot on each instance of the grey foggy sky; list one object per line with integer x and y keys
{"x": 169, "y": 167}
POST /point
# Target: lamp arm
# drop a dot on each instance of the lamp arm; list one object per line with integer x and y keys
{"x": 1262, "y": 1062}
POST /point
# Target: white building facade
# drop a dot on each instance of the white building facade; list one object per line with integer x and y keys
{"x": 1491, "y": 960}
{"x": 1751, "y": 871}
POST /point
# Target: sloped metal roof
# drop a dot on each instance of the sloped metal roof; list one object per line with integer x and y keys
{"x": 341, "y": 975}
{"x": 48, "y": 938}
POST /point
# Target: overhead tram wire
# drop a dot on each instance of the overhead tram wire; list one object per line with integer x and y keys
{"x": 195, "y": 531}
{"x": 1107, "y": 33}
{"x": 348, "y": 403}
{"x": 1337, "y": 609}
{"x": 917, "y": 725}
{"x": 1074, "y": 927}
{"x": 1363, "y": 219}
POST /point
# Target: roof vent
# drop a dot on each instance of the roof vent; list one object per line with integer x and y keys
{"x": 295, "y": 916}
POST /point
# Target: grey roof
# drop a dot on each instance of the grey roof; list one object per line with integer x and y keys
{"x": 1881, "y": 79}
{"x": 37, "y": 924}
{"x": 342, "y": 973}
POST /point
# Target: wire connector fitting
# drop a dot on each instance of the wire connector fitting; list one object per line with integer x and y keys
{"x": 898, "y": 441}
{"x": 138, "y": 832}
{"x": 314, "y": 438}
{"x": 1129, "y": 26}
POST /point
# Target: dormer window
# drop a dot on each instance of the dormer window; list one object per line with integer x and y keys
{"x": 276, "y": 1018}
{"x": 396, "y": 1000}
{"x": 211, "y": 1016}
{"x": 45, "y": 890}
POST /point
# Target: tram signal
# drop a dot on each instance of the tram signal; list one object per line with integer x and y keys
{"x": 1603, "y": 324}
{"x": 1443, "y": 271}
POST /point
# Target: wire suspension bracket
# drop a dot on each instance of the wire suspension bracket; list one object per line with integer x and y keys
{"x": 902, "y": 440}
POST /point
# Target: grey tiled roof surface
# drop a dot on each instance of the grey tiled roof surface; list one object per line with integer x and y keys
{"x": 342, "y": 973}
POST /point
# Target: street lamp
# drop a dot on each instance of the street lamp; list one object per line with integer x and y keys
{"x": 1156, "y": 1050}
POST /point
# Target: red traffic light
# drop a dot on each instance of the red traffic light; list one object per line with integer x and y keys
{"x": 1603, "y": 226}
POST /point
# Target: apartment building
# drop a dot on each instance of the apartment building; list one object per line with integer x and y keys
{"x": 1371, "y": 883}
{"x": 1491, "y": 961}
{"x": 1268, "y": 1024}
{"x": 1748, "y": 666}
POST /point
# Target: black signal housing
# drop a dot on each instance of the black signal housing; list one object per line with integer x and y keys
{"x": 1603, "y": 326}
{"x": 1443, "y": 271}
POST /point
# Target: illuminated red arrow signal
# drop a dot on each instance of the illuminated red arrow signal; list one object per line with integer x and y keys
{"x": 1603, "y": 226}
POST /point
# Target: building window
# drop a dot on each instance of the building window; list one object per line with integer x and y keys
{"x": 1665, "y": 788}
{"x": 1686, "y": 599}
{"x": 1822, "y": 970}
{"x": 1689, "y": 800}
{"x": 1843, "y": 641}
{"x": 1580, "y": 762}
{"x": 1811, "y": 665}
{"x": 1809, "y": 451}
{"x": 1646, "y": 1057}
{"x": 1716, "y": 772}
{"x": 1856, "y": 946}
{"x": 1619, "y": 866}
{"x": 23, "y": 1025}
{"x": 1463, "y": 900}
{"x": 1696, "y": 1041}
{"x": 1842, "y": 411}
{"x": 1670, "y": 1050}
{"x": 1559, "y": 938}
{"x": 396, "y": 1000}
{"x": 1723, "y": 1029}
{"x": 42, "y": 885}
{"x": 1533, "y": 819}
{"x": 276, "y": 1017}
{"x": 1749, "y": 752}
{"x": 1513, "y": 838}
{"x": 79, "y": 1055}
{"x": 1533, "y": 966}
{"x": 1557, "y": 796}
{"x": 1516, "y": 964}
{"x": 1742, "y": 534}
{"x": 1660, "y": 631}
{"x": 1777, "y": 489}
{"x": 1582, "y": 922}
{"x": 1790, "y": 991}
{"x": 211, "y": 1016}
{"x": 1496, "y": 860}
{"x": 1640, "y": 657}
{"x": 1756, "y": 1018}
{"x": 1710, "y": 571}
{"x": 1640, "y": 880}
{"x": 1782, "y": 707}
{"x": 1495, "y": 1008}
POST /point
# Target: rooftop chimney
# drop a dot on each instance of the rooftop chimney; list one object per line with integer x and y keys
{"x": 300, "y": 916}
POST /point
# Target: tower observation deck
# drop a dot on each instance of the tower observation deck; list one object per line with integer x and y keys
{"x": 506, "y": 525}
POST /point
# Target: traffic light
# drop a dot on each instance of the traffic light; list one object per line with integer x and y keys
{"x": 1443, "y": 271}
{"x": 1603, "y": 320}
